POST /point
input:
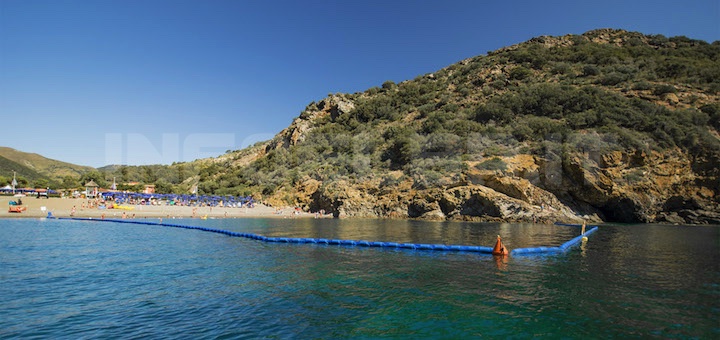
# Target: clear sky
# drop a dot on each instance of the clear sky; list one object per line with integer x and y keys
{"x": 137, "y": 82}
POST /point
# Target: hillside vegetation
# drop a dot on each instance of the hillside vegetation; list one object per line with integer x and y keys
{"x": 608, "y": 125}
{"x": 36, "y": 171}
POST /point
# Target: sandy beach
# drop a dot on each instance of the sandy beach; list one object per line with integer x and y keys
{"x": 62, "y": 207}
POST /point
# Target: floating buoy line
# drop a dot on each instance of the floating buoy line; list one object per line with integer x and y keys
{"x": 498, "y": 250}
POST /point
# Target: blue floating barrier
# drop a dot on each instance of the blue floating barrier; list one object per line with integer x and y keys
{"x": 487, "y": 250}
{"x": 364, "y": 243}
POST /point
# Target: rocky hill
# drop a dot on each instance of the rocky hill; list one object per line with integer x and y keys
{"x": 609, "y": 125}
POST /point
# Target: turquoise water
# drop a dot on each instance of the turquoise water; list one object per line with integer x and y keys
{"x": 72, "y": 279}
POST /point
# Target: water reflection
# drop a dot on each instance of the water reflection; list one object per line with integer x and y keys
{"x": 501, "y": 262}
{"x": 410, "y": 231}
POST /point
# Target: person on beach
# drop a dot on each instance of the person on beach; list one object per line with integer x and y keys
{"x": 72, "y": 211}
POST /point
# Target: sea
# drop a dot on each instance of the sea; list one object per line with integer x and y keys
{"x": 70, "y": 279}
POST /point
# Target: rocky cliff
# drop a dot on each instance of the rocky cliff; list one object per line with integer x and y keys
{"x": 618, "y": 186}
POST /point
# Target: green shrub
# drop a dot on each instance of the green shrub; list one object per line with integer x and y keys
{"x": 493, "y": 111}
{"x": 494, "y": 163}
{"x": 561, "y": 68}
{"x": 519, "y": 73}
{"x": 389, "y": 85}
{"x": 590, "y": 70}
{"x": 404, "y": 146}
{"x": 613, "y": 78}
{"x": 664, "y": 89}
{"x": 642, "y": 86}
{"x": 713, "y": 112}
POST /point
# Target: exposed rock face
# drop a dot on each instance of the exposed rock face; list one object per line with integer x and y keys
{"x": 617, "y": 186}
{"x": 332, "y": 106}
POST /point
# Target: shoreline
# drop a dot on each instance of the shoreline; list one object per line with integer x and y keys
{"x": 62, "y": 207}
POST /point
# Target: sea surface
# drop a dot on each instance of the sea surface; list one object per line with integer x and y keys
{"x": 63, "y": 279}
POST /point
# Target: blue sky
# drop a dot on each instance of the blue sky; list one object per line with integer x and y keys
{"x": 144, "y": 81}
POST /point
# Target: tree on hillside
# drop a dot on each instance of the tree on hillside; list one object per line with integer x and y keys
{"x": 149, "y": 175}
{"x": 41, "y": 183}
{"x": 124, "y": 174}
{"x": 93, "y": 176}
{"x": 404, "y": 146}
{"x": 22, "y": 182}
{"x": 69, "y": 182}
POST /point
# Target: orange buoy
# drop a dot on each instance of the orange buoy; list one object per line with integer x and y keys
{"x": 499, "y": 248}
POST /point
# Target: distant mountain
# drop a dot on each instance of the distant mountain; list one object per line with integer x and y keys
{"x": 42, "y": 166}
{"x": 608, "y": 125}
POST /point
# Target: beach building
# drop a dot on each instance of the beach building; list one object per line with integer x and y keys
{"x": 91, "y": 189}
